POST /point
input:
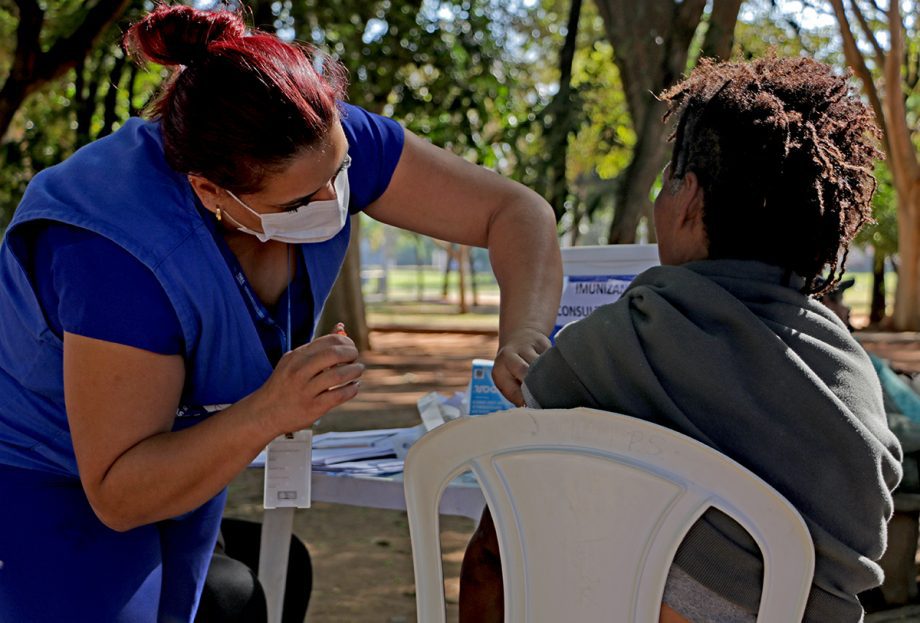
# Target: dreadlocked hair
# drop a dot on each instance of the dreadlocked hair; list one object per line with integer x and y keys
{"x": 784, "y": 153}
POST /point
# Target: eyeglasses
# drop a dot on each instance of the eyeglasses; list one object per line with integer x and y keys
{"x": 346, "y": 163}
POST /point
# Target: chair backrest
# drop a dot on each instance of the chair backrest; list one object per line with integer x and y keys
{"x": 590, "y": 508}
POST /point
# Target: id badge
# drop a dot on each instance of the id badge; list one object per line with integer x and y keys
{"x": 287, "y": 471}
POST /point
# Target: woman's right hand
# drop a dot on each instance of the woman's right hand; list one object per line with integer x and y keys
{"x": 308, "y": 382}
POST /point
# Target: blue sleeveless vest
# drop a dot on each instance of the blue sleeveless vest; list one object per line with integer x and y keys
{"x": 122, "y": 188}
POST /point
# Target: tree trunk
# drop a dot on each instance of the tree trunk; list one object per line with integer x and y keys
{"x": 86, "y": 88}
{"x": 578, "y": 212}
{"x": 720, "y": 35}
{"x": 345, "y": 302}
{"x": 472, "y": 265}
{"x": 110, "y": 103}
{"x": 557, "y": 119}
{"x": 12, "y": 95}
{"x": 461, "y": 272}
{"x": 651, "y": 42}
{"x": 650, "y": 224}
{"x": 419, "y": 272}
{"x": 451, "y": 252}
{"x": 132, "y": 84}
{"x": 877, "y": 306}
{"x": 632, "y": 197}
{"x": 907, "y": 298}
{"x": 905, "y": 171}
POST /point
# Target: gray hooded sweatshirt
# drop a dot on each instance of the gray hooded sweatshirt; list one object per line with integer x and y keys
{"x": 732, "y": 354}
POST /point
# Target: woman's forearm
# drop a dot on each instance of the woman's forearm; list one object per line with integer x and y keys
{"x": 526, "y": 260}
{"x": 524, "y": 252}
{"x": 121, "y": 404}
{"x": 172, "y": 473}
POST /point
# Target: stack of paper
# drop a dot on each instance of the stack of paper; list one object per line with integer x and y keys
{"x": 331, "y": 448}
{"x": 370, "y": 467}
{"x": 371, "y": 452}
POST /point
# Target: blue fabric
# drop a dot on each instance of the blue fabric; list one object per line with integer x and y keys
{"x": 150, "y": 212}
{"x": 898, "y": 391}
{"x": 90, "y": 286}
{"x": 375, "y": 145}
{"x": 57, "y": 566}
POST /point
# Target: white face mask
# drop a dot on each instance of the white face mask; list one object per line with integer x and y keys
{"x": 316, "y": 221}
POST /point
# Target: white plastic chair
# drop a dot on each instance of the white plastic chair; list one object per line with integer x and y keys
{"x": 590, "y": 508}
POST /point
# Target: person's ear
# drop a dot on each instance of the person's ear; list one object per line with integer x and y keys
{"x": 208, "y": 192}
{"x": 691, "y": 199}
{"x": 692, "y": 207}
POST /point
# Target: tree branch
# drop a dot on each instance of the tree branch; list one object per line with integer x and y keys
{"x": 28, "y": 47}
{"x": 31, "y": 68}
{"x": 635, "y": 84}
{"x": 66, "y": 52}
{"x": 720, "y": 36}
{"x": 686, "y": 20}
{"x": 558, "y": 117}
{"x": 869, "y": 34}
{"x": 857, "y": 63}
{"x": 903, "y": 155}
{"x": 876, "y": 6}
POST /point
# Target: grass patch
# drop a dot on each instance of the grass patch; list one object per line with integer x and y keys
{"x": 402, "y": 306}
{"x": 432, "y": 314}
{"x": 859, "y": 297}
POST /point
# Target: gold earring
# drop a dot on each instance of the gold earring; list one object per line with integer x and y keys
{"x": 217, "y": 214}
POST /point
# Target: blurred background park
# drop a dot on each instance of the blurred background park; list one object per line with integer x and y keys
{"x": 559, "y": 94}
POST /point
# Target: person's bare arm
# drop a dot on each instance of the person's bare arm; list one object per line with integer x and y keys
{"x": 482, "y": 598}
{"x": 441, "y": 195}
{"x": 121, "y": 403}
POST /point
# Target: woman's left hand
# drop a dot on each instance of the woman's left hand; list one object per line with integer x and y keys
{"x": 513, "y": 360}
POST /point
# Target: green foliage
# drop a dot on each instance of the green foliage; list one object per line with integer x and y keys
{"x": 594, "y": 120}
{"x": 605, "y": 140}
{"x": 41, "y": 138}
{"x": 439, "y": 67}
{"x": 883, "y": 234}
{"x": 785, "y": 29}
{"x": 86, "y": 103}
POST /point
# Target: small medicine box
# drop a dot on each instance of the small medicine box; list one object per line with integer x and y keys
{"x": 484, "y": 396}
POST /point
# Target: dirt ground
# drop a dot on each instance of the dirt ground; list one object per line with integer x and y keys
{"x": 902, "y": 350}
{"x": 362, "y": 564}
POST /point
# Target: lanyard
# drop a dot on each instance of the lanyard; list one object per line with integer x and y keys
{"x": 258, "y": 307}
{"x": 290, "y": 260}
{"x": 288, "y": 458}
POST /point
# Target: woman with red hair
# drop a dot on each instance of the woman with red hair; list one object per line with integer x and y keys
{"x": 160, "y": 290}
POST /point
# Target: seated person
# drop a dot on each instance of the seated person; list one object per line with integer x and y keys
{"x": 769, "y": 180}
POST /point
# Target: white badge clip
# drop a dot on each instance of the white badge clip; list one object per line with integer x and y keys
{"x": 287, "y": 471}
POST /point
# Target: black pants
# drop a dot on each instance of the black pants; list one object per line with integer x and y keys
{"x": 232, "y": 593}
